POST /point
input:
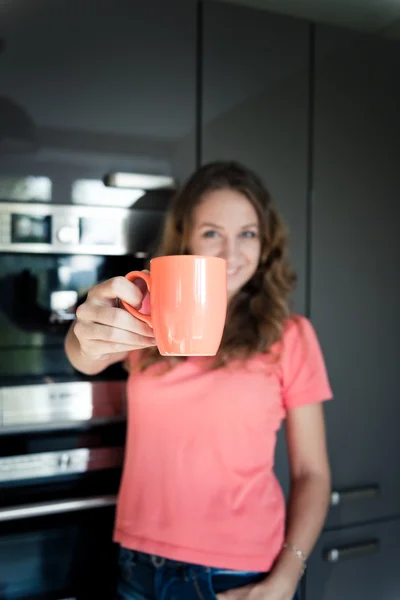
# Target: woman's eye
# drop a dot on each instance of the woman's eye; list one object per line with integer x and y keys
{"x": 210, "y": 234}
{"x": 249, "y": 234}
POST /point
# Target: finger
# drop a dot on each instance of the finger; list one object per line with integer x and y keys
{"x": 142, "y": 284}
{"x": 117, "y": 287}
{"x": 115, "y": 317}
{"x": 104, "y": 333}
{"x": 101, "y": 349}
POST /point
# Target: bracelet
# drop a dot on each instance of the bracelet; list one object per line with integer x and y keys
{"x": 298, "y": 553}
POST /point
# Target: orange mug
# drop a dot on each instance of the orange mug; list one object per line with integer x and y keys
{"x": 188, "y": 300}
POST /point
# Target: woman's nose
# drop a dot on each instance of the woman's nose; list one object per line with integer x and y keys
{"x": 229, "y": 249}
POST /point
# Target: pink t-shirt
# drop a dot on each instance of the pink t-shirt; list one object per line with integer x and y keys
{"x": 198, "y": 482}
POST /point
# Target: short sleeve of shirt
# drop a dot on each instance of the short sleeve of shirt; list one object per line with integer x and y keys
{"x": 304, "y": 376}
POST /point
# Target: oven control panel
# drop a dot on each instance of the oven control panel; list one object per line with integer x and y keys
{"x": 54, "y": 464}
{"x": 69, "y": 229}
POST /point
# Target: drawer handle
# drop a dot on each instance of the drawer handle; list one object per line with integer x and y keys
{"x": 334, "y": 555}
{"x": 53, "y": 508}
{"x": 360, "y": 493}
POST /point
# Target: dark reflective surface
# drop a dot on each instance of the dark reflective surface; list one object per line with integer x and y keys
{"x": 110, "y": 88}
{"x": 59, "y": 555}
{"x": 31, "y": 335}
{"x": 355, "y": 283}
{"x": 67, "y": 556}
{"x": 367, "y": 565}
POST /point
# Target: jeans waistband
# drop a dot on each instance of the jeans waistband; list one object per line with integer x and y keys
{"x": 156, "y": 561}
{"x": 160, "y": 561}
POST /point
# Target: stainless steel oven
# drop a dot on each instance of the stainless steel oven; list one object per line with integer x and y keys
{"x": 62, "y": 434}
{"x": 61, "y": 452}
{"x": 50, "y": 255}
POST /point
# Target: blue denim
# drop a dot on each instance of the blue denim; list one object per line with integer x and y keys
{"x": 147, "y": 577}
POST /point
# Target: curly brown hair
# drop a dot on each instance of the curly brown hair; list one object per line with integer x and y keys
{"x": 256, "y": 314}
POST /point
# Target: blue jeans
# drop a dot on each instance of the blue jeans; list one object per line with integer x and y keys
{"x": 147, "y": 577}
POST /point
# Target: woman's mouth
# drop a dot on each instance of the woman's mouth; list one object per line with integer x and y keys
{"x": 232, "y": 271}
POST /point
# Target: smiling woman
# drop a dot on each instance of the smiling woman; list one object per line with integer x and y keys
{"x": 225, "y": 210}
{"x": 200, "y": 512}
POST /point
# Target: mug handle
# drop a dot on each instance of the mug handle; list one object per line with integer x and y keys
{"x": 133, "y": 311}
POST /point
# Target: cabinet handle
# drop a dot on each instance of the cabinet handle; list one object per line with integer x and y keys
{"x": 360, "y": 493}
{"x": 53, "y": 508}
{"x": 334, "y": 555}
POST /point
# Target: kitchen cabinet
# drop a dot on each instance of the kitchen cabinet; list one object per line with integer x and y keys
{"x": 355, "y": 287}
{"x": 254, "y": 106}
{"x": 254, "y": 102}
{"x": 356, "y": 562}
{"x": 109, "y": 88}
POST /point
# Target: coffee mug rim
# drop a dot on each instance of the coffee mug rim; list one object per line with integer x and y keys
{"x": 186, "y": 256}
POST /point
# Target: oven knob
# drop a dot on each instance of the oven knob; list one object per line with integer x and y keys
{"x": 66, "y": 235}
{"x": 64, "y": 460}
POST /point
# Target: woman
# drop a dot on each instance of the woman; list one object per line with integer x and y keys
{"x": 200, "y": 512}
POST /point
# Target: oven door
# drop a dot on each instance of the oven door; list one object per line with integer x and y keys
{"x": 60, "y": 468}
{"x": 38, "y": 299}
{"x": 58, "y": 549}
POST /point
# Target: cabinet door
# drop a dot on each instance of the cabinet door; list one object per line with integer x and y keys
{"x": 355, "y": 256}
{"x": 254, "y": 110}
{"x": 108, "y": 88}
{"x": 358, "y": 562}
{"x": 254, "y": 106}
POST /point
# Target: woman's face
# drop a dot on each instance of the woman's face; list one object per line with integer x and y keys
{"x": 225, "y": 224}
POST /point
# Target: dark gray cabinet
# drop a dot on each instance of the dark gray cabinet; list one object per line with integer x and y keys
{"x": 262, "y": 106}
{"x": 254, "y": 106}
{"x": 108, "y": 88}
{"x": 356, "y": 563}
{"x": 355, "y": 284}
{"x": 255, "y": 110}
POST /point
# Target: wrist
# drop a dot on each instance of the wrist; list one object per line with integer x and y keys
{"x": 287, "y": 570}
{"x": 299, "y": 554}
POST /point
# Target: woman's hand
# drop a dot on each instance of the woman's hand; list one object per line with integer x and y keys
{"x": 103, "y": 328}
{"x": 270, "y": 589}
